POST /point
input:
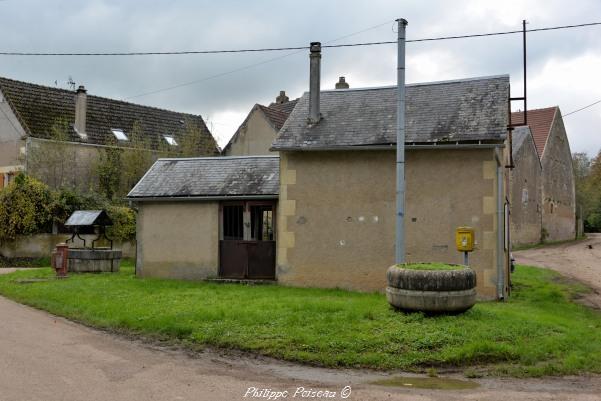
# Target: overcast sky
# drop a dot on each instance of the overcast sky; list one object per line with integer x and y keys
{"x": 563, "y": 66}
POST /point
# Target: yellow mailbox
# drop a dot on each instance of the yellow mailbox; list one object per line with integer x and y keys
{"x": 464, "y": 239}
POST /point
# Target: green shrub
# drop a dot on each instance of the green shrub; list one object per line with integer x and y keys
{"x": 124, "y": 223}
{"x": 25, "y": 208}
{"x": 28, "y": 206}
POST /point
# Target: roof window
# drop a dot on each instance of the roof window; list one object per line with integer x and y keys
{"x": 119, "y": 134}
{"x": 170, "y": 140}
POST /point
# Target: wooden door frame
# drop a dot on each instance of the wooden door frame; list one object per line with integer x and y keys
{"x": 246, "y": 204}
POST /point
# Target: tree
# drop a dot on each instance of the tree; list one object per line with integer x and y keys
{"x": 587, "y": 174}
{"x": 108, "y": 171}
{"x": 135, "y": 160}
{"x": 53, "y": 161}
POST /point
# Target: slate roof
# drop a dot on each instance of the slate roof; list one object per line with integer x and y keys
{"x": 89, "y": 218}
{"x": 520, "y": 137}
{"x": 38, "y": 108}
{"x": 540, "y": 122}
{"x": 448, "y": 111}
{"x": 211, "y": 177}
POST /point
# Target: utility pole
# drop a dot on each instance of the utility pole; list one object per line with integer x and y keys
{"x": 400, "y": 144}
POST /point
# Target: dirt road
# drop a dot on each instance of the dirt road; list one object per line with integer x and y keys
{"x": 46, "y": 358}
{"x": 580, "y": 260}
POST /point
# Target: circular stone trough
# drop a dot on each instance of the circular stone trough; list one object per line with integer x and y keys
{"x": 451, "y": 289}
{"x": 93, "y": 260}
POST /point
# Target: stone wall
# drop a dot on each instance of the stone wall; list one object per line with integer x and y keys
{"x": 558, "y": 188}
{"x": 41, "y": 245}
{"x": 336, "y": 217}
{"x": 526, "y": 192}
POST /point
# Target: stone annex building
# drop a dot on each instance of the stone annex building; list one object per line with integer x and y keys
{"x": 543, "y": 194}
{"x": 320, "y": 212}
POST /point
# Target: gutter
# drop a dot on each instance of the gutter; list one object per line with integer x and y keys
{"x": 391, "y": 147}
{"x": 200, "y": 198}
{"x": 500, "y": 232}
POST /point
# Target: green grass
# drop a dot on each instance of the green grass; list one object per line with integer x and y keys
{"x": 539, "y": 331}
{"x": 24, "y": 262}
{"x": 430, "y": 266}
{"x": 547, "y": 243}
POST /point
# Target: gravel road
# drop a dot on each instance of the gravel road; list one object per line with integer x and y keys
{"x": 579, "y": 260}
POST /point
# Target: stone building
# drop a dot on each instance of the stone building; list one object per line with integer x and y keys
{"x": 558, "y": 192}
{"x": 525, "y": 190}
{"x": 260, "y": 127}
{"x": 31, "y": 114}
{"x": 326, "y": 205}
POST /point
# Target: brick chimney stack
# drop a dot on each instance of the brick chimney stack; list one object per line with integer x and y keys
{"x": 282, "y": 98}
{"x": 81, "y": 100}
{"x": 342, "y": 84}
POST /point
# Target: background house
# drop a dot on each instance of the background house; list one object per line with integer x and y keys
{"x": 260, "y": 127}
{"x": 557, "y": 183}
{"x": 525, "y": 189}
{"x": 42, "y": 120}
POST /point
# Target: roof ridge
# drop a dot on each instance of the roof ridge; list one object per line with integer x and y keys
{"x": 218, "y": 158}
{"x": 537, "y": 109}
{"x": 71, "y": 92}
{"x": 414, "y": 84}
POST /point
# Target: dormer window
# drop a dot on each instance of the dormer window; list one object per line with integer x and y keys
{"x": 170, "y": 140}
{"x": 119, "y": 134}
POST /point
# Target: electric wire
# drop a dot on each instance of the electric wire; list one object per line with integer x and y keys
{"x": 273, "y": 49}
{"x": 582, "y": 108}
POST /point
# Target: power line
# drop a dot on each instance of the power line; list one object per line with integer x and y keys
{"x": 273, "y": 49}
{"x": 246, "y": 67}
{"x": 582, "y": 108}
{"x": 301, "y": 48}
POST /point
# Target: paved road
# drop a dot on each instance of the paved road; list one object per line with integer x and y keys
{"x": 46, "y": 358}
{"x": 580, "y": 260}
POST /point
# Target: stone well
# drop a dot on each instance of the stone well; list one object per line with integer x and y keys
{"x": 97, "y": 260}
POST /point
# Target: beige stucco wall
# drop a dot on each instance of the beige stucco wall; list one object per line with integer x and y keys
{"x": 71, "y": 164}
{"x": 11, "y": 143}
{"x": 526, "y": 194}
{"x": 558, "y": 190}
{"x": 177, "y": 239}
{"x": 254, "y": 137}
{"x": 336, "y": 220}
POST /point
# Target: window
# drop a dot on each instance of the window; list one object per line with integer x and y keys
{"x": 261, "y": 220}
{"x": 170, "y": 140}
{"x": 119, "y": 134}
{"x": 233, "y": 222}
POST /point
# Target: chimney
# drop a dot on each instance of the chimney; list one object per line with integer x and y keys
{"x": 314, "y": 82}
{"x": 81, "y": 98}
{"x": 282, "y": 98}
{"x": 342, "y": 84}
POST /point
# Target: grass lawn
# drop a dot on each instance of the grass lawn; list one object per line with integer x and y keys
{"x": 539, "y": 331}
{"x": 430, "y": 266}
